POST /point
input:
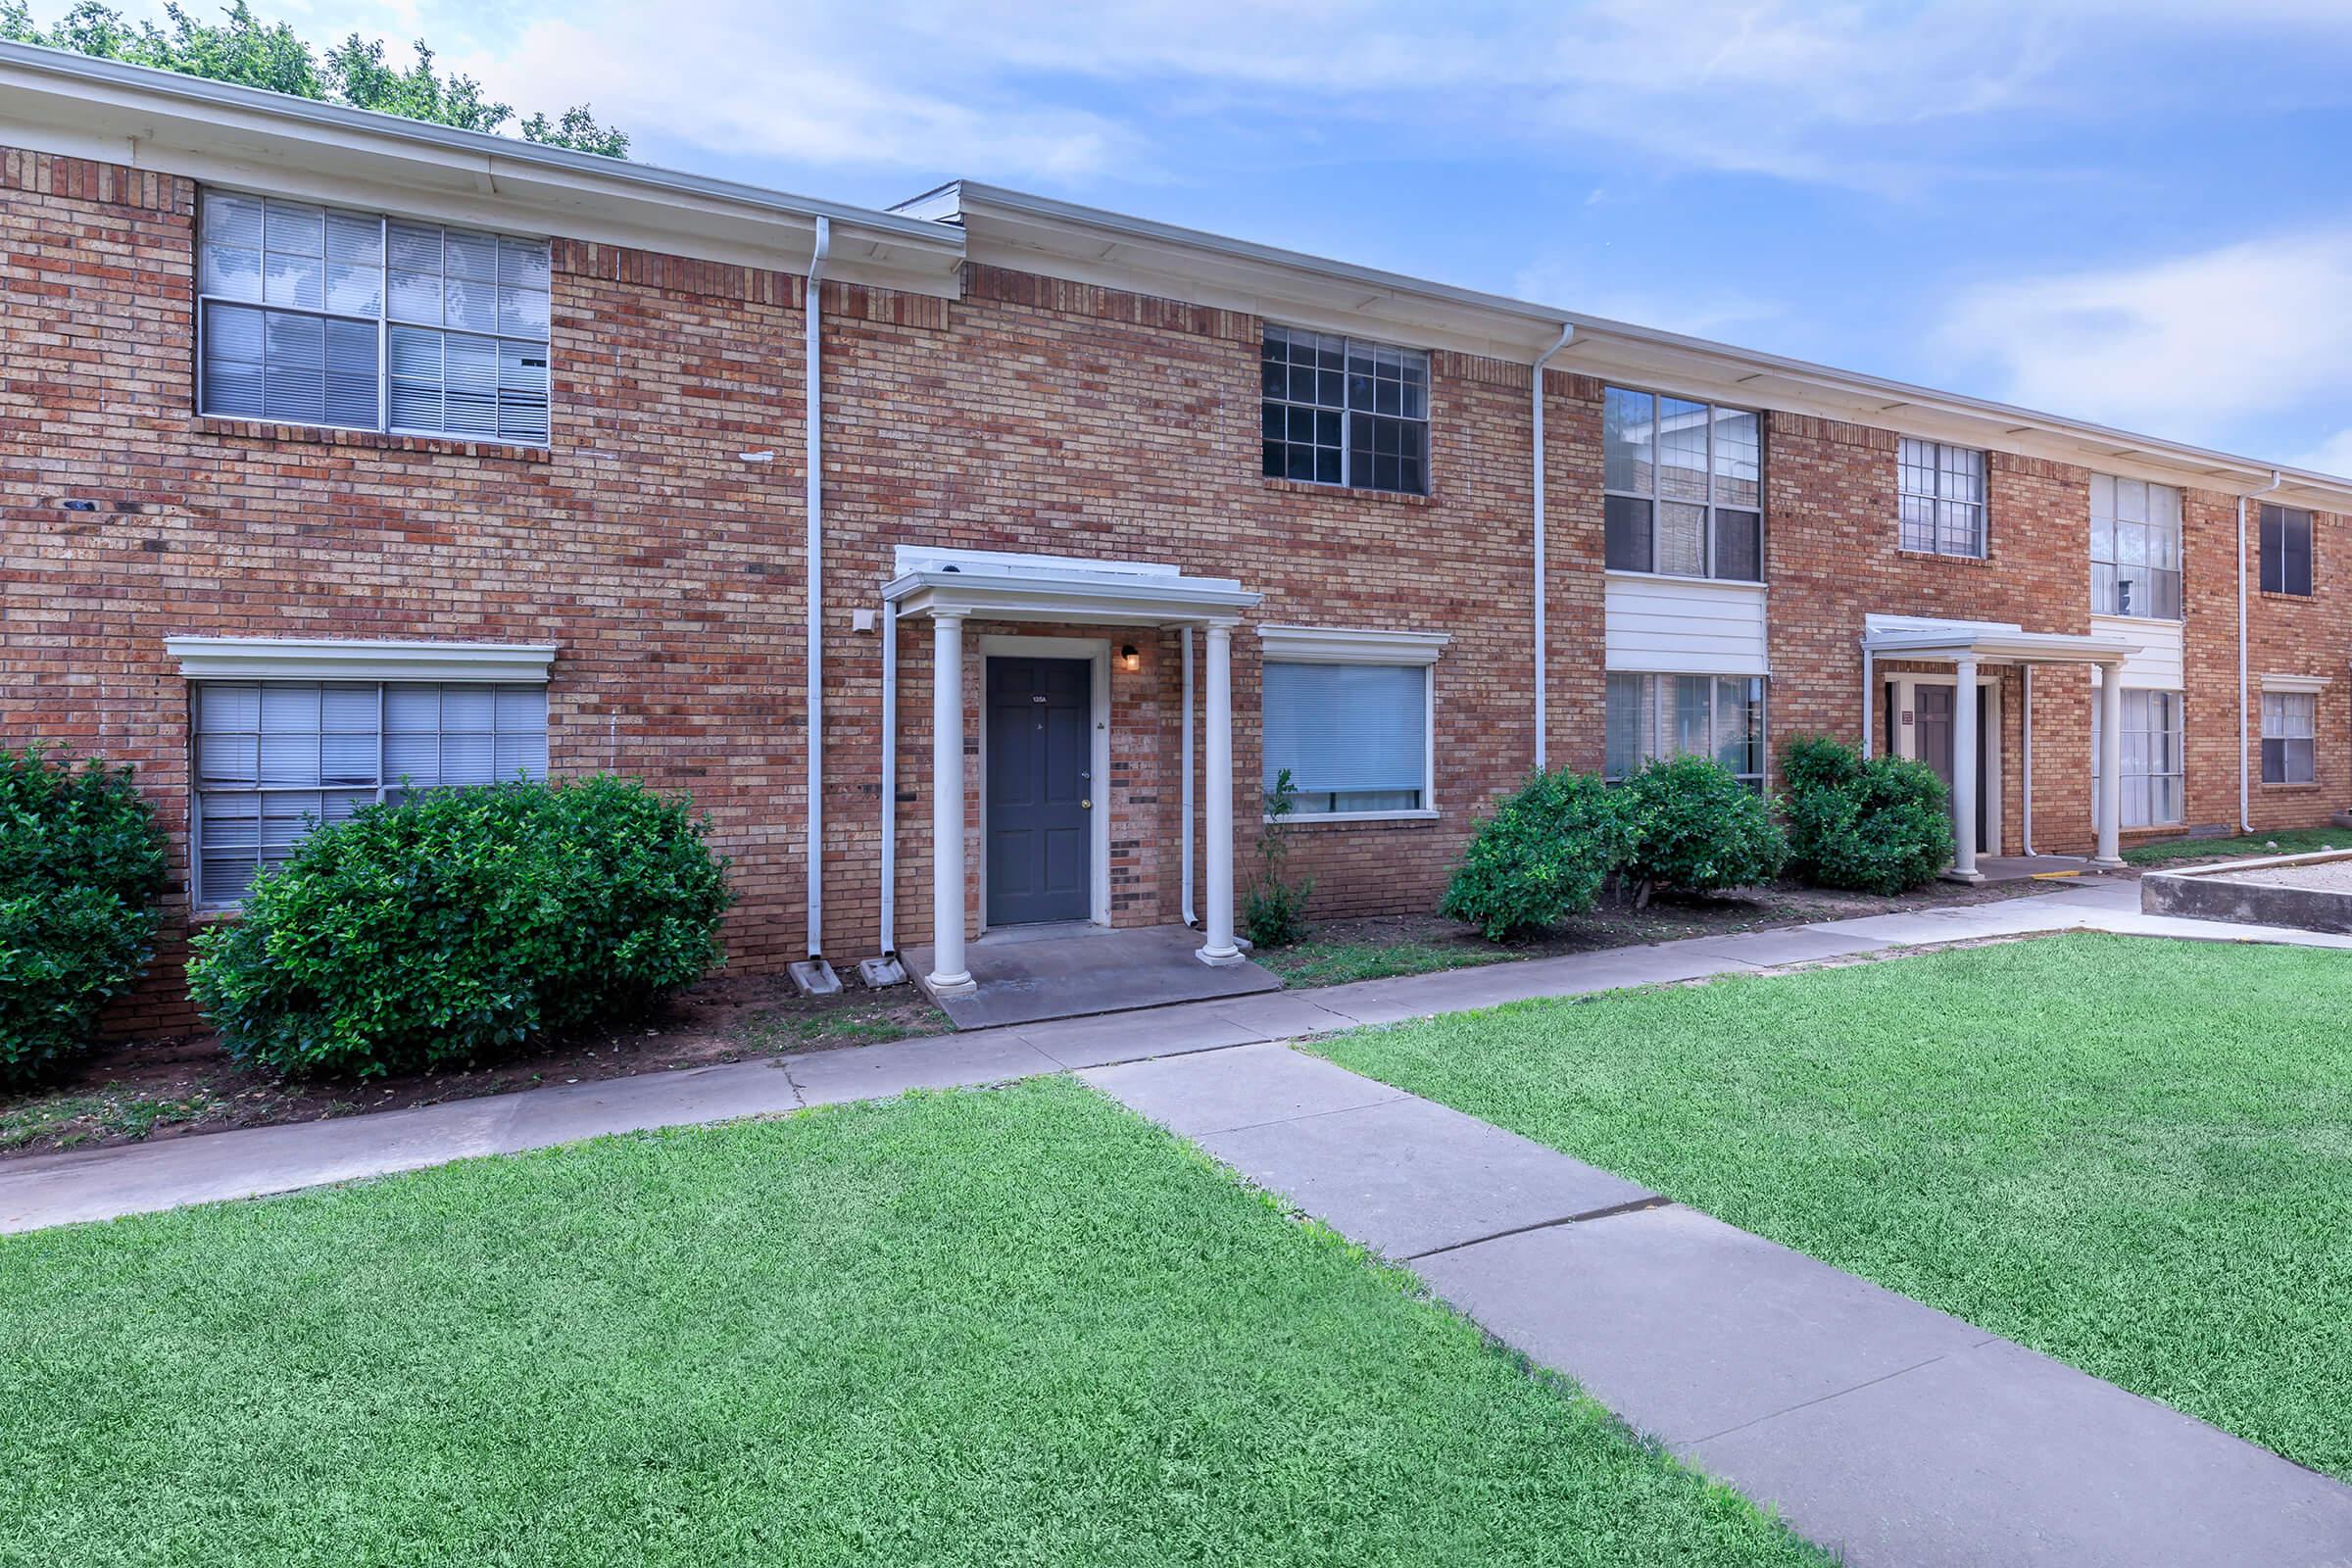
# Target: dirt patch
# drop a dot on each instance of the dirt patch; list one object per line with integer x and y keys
{"x": 1336, "y": 951}
{"x": 147, "y": 1090}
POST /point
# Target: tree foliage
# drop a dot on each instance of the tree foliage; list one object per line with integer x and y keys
{"x": 269, "y": 54}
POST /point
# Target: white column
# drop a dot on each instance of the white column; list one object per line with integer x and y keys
{"x": 2110, "y": 807}
{"x": 1965, "y": 741}
{"x": 948, "y": 972}
{"x": 1216, "y": 921}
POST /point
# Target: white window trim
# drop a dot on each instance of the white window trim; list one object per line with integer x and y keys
{"x": 2309, "y": 684}
{"x": 1340, "y": 645}
{"x": 1983, "y": 505}
{"x": 1760, "y": 509}
{"x": 357, "y": 659}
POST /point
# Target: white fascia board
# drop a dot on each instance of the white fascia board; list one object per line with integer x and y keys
{"x": 1087, "y": 245}
{"x": 225, "y": 134}
{"x": 1340, "y": 645}
{"x": 2294, "y": 683}
{"x": 2027, "y": 647}
{"x": 906, "y": 559}
{"x": 355, "y": 659}
{"x": 1124, "y": 602}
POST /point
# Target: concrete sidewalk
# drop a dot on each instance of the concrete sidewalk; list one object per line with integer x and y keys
{"x": 137, "y": 1178}
{"x": 1880, "y": 1428}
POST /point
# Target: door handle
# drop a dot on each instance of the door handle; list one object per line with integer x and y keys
{"x": 1086, "y": 806}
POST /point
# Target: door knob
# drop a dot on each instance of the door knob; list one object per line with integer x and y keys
{"x": 1086, "y": 806}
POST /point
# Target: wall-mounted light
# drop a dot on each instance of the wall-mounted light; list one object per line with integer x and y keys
{"x": 1131, "y": 658}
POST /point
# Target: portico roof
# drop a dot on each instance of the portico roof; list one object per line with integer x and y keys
{"x": 1991, "y": 641}
{"x": 996, "y": 585}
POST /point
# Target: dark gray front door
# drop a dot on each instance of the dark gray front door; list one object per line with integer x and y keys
{"x": 1937, "y": 742}
{"x": 1039, "y": 827}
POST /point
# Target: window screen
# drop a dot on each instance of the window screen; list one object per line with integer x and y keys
{"x": 2135, "y": 548}
{"x": 316, "y": 316}
{"x": 275, "y": 759}
{"x": 1682, "y": 488}
{"x": 2289, "y": 728}
{"x": 1650, "y": 716}
{"x": 1354, "y": 737}
{"x": 1340, "y": 410}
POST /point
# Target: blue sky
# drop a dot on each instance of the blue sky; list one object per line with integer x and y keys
{"x": 2134, "y": 211}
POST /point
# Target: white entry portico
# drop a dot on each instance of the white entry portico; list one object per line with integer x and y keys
{"x": 1972, "y": 647}
{"x": 953, "y": 586}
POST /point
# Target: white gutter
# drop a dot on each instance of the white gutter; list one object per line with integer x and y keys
{"x": 813, "y": 418}
{"x": 1542, "y": 642}
{"x": 2245, "y": 778}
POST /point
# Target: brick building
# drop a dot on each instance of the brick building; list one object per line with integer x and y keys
{"x": 343, "y": 453}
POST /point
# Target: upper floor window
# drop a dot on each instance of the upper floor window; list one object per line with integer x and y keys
{"x": 2285, "y": 551}
{"x": 1682, "y": 488}
{"x": 1943, "y": 498}
{"x": 1340, "y": 410}
{"x": 2135, "y": 548}
{"x": 316, "y": 316}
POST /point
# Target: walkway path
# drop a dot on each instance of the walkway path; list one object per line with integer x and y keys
{"x": 1880, "y": 1426}
{"x": 100, "y": 1183}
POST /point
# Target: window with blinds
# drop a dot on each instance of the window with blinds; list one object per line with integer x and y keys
{"x": 276, "y": 758}
{"x": 314, "y": 315}
{"x": 1682, "y": 488}
{"x": 1651, "y": 716}
{"x": 2150, "y": 783}
{"x": 2291, "y": 727}
{"x": 1354, "y": 737}
{"x": 2135, "y": 548}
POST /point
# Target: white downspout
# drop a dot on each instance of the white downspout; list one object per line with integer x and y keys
{"x": 2025, "y": 724}
{"x": 1188, "y": 778}
{"x": 1870, "y": 703}
{"x": 2246, "y": 780}
{"x": 890, "y": 780}
{"x": 816, "y": 975}
{"x": 1543, "y": 639}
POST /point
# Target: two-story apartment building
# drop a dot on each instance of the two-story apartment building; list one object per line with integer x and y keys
{"x": 979, "y": 563}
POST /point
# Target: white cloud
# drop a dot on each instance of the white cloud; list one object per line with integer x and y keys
{"x": 2332, "y": 455}
{"x": 1709, "y": 310}
{"x": 2184, "y": 343}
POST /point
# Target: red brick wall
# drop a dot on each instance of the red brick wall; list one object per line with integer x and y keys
{"x": 1031, "y": 415}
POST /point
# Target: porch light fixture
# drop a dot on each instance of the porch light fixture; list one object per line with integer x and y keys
{"x": 1130, "y": 660}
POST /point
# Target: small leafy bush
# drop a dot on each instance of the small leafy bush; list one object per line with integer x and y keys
{"x": 1542, "y": 857}
{"x": 1274, "y": 912}
{"x": 1881, "y": 825}
{"x": 81, "y": 865}
{"x": 1698, "y": 828}
{"x": 463, "y": 924}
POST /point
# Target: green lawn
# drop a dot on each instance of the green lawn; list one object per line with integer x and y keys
{"x": 1011, "y": 1327}
{"x": 2133, "y": 1155}
{"x": 2289, "y": 841}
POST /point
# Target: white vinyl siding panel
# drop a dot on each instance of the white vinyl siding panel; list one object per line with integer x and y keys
{"x": 1665, "y": 626}
{"x": 2160, "y": 661}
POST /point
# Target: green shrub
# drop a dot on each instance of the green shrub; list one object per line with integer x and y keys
{"x": 1542, "y": 857}
{"x": 1698, "y": 828}
{"x": 81, "y": 865}
{"x": 463, "y": 924}
{"x": 1274, "y": 912}
{"x": 1877, "y": 826}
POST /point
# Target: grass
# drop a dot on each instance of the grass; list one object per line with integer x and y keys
{"x": 1316, "y": 963}
{"x": 1014, "y": 1326}
{"x": 114, "y": 1112}
{"x": 2132, "y": 1155}
{"x": 2284, "y": 841}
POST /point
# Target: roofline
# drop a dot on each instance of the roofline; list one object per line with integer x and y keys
{"x": 960, "y": 196}
{"x": 970, "y": 193}
{"x": 306, "y": 113}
